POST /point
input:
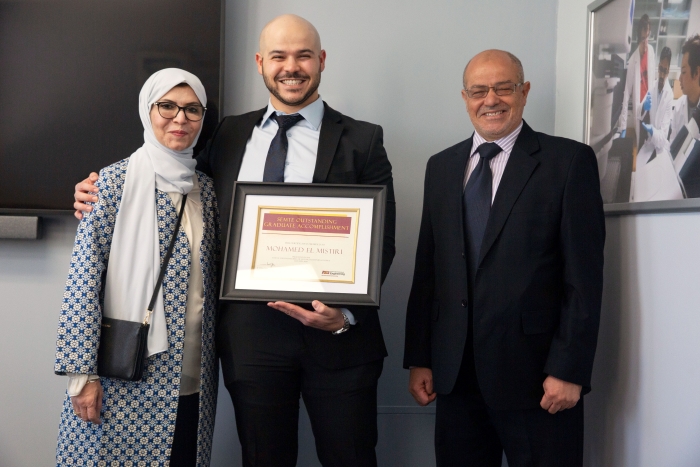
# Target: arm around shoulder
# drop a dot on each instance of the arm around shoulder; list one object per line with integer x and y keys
{"x": 85, "y": 195}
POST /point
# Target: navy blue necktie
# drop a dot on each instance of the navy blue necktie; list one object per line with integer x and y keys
{"x": 277, "y": 154}
{"x": 477, "y": 204}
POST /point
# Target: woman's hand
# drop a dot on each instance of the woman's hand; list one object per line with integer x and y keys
{"x": 88, "y": 404}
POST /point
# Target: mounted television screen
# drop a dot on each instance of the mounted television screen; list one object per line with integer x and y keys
{"x": 70, "y": 76}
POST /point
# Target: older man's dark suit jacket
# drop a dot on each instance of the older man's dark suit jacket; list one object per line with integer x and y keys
{"x": 537, "y": 292}
{"x": 349, "y": 152}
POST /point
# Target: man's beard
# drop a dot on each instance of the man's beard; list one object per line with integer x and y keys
{"x": 270, "y": 84}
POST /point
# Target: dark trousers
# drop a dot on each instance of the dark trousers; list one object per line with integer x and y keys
{"x": 266, "y": 369}
{"x": 184, "y": 450}
{"x": 468, "y": 433}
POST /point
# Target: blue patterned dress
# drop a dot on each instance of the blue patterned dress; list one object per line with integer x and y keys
{"x": 138, "y": 418}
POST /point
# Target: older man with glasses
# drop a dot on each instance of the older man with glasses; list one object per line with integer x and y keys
{"x": 502, "y": 320}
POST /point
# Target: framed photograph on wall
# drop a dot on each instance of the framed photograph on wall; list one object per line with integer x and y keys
{"x": 642, "y": 93}
{"x": 304, "y": 242}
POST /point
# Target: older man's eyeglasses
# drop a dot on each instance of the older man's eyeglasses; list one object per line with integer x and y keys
{"x": 501, "y": 89}
{"x": 169, "y": 110}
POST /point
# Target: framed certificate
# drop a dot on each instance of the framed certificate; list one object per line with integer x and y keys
{"x": 303, "y": 242}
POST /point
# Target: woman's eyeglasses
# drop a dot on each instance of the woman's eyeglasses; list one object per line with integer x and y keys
{"x": 193, "y": 113}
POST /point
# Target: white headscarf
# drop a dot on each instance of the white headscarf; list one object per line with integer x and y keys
{"x": 134, "y": 261}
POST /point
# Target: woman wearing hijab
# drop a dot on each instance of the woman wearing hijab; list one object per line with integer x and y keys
{"x": 167, "y": 417}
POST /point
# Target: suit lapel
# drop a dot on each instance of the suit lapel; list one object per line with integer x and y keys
{"x": 515, "y": 176}
{"x": 331, "y": 129}
{"x": 454, "y": 187}
{"x": 230, "y": 159}
{"x": 240, "y": 140}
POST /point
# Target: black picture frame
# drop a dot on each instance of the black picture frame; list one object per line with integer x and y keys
{"x": 242, "y": 190}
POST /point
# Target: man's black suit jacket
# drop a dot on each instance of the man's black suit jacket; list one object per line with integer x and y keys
{"x": 349, "y": 152}
{"x": 538, "y": 287}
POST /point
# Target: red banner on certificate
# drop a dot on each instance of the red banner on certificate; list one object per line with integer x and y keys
{"x": 323, "y": 224}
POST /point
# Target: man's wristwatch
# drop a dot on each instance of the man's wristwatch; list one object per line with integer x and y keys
{"x": 346, "y": 325}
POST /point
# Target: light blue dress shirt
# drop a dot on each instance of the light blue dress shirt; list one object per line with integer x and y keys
{"x": 301, "y": 152}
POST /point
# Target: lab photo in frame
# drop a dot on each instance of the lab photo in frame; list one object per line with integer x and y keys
{"x": 303, "y": 242}
{"x": 640, "y": 119}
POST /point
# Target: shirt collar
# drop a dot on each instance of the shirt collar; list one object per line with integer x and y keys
{"x": 312, "y": 113}
{"x": 506, "y": 143}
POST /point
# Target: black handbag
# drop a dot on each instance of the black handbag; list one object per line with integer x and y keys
{"x": 122, "y": 349}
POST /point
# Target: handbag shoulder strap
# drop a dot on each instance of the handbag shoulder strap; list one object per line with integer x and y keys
{"x": 166, "y": 260}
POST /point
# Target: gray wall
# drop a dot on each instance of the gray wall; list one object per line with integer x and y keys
{"x": 397, "y": 63}
{"x": 644, "y": 410}
{"x": 32, "y": 277}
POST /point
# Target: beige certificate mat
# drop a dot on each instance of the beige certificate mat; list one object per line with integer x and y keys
{"x": 305, "y": 244}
